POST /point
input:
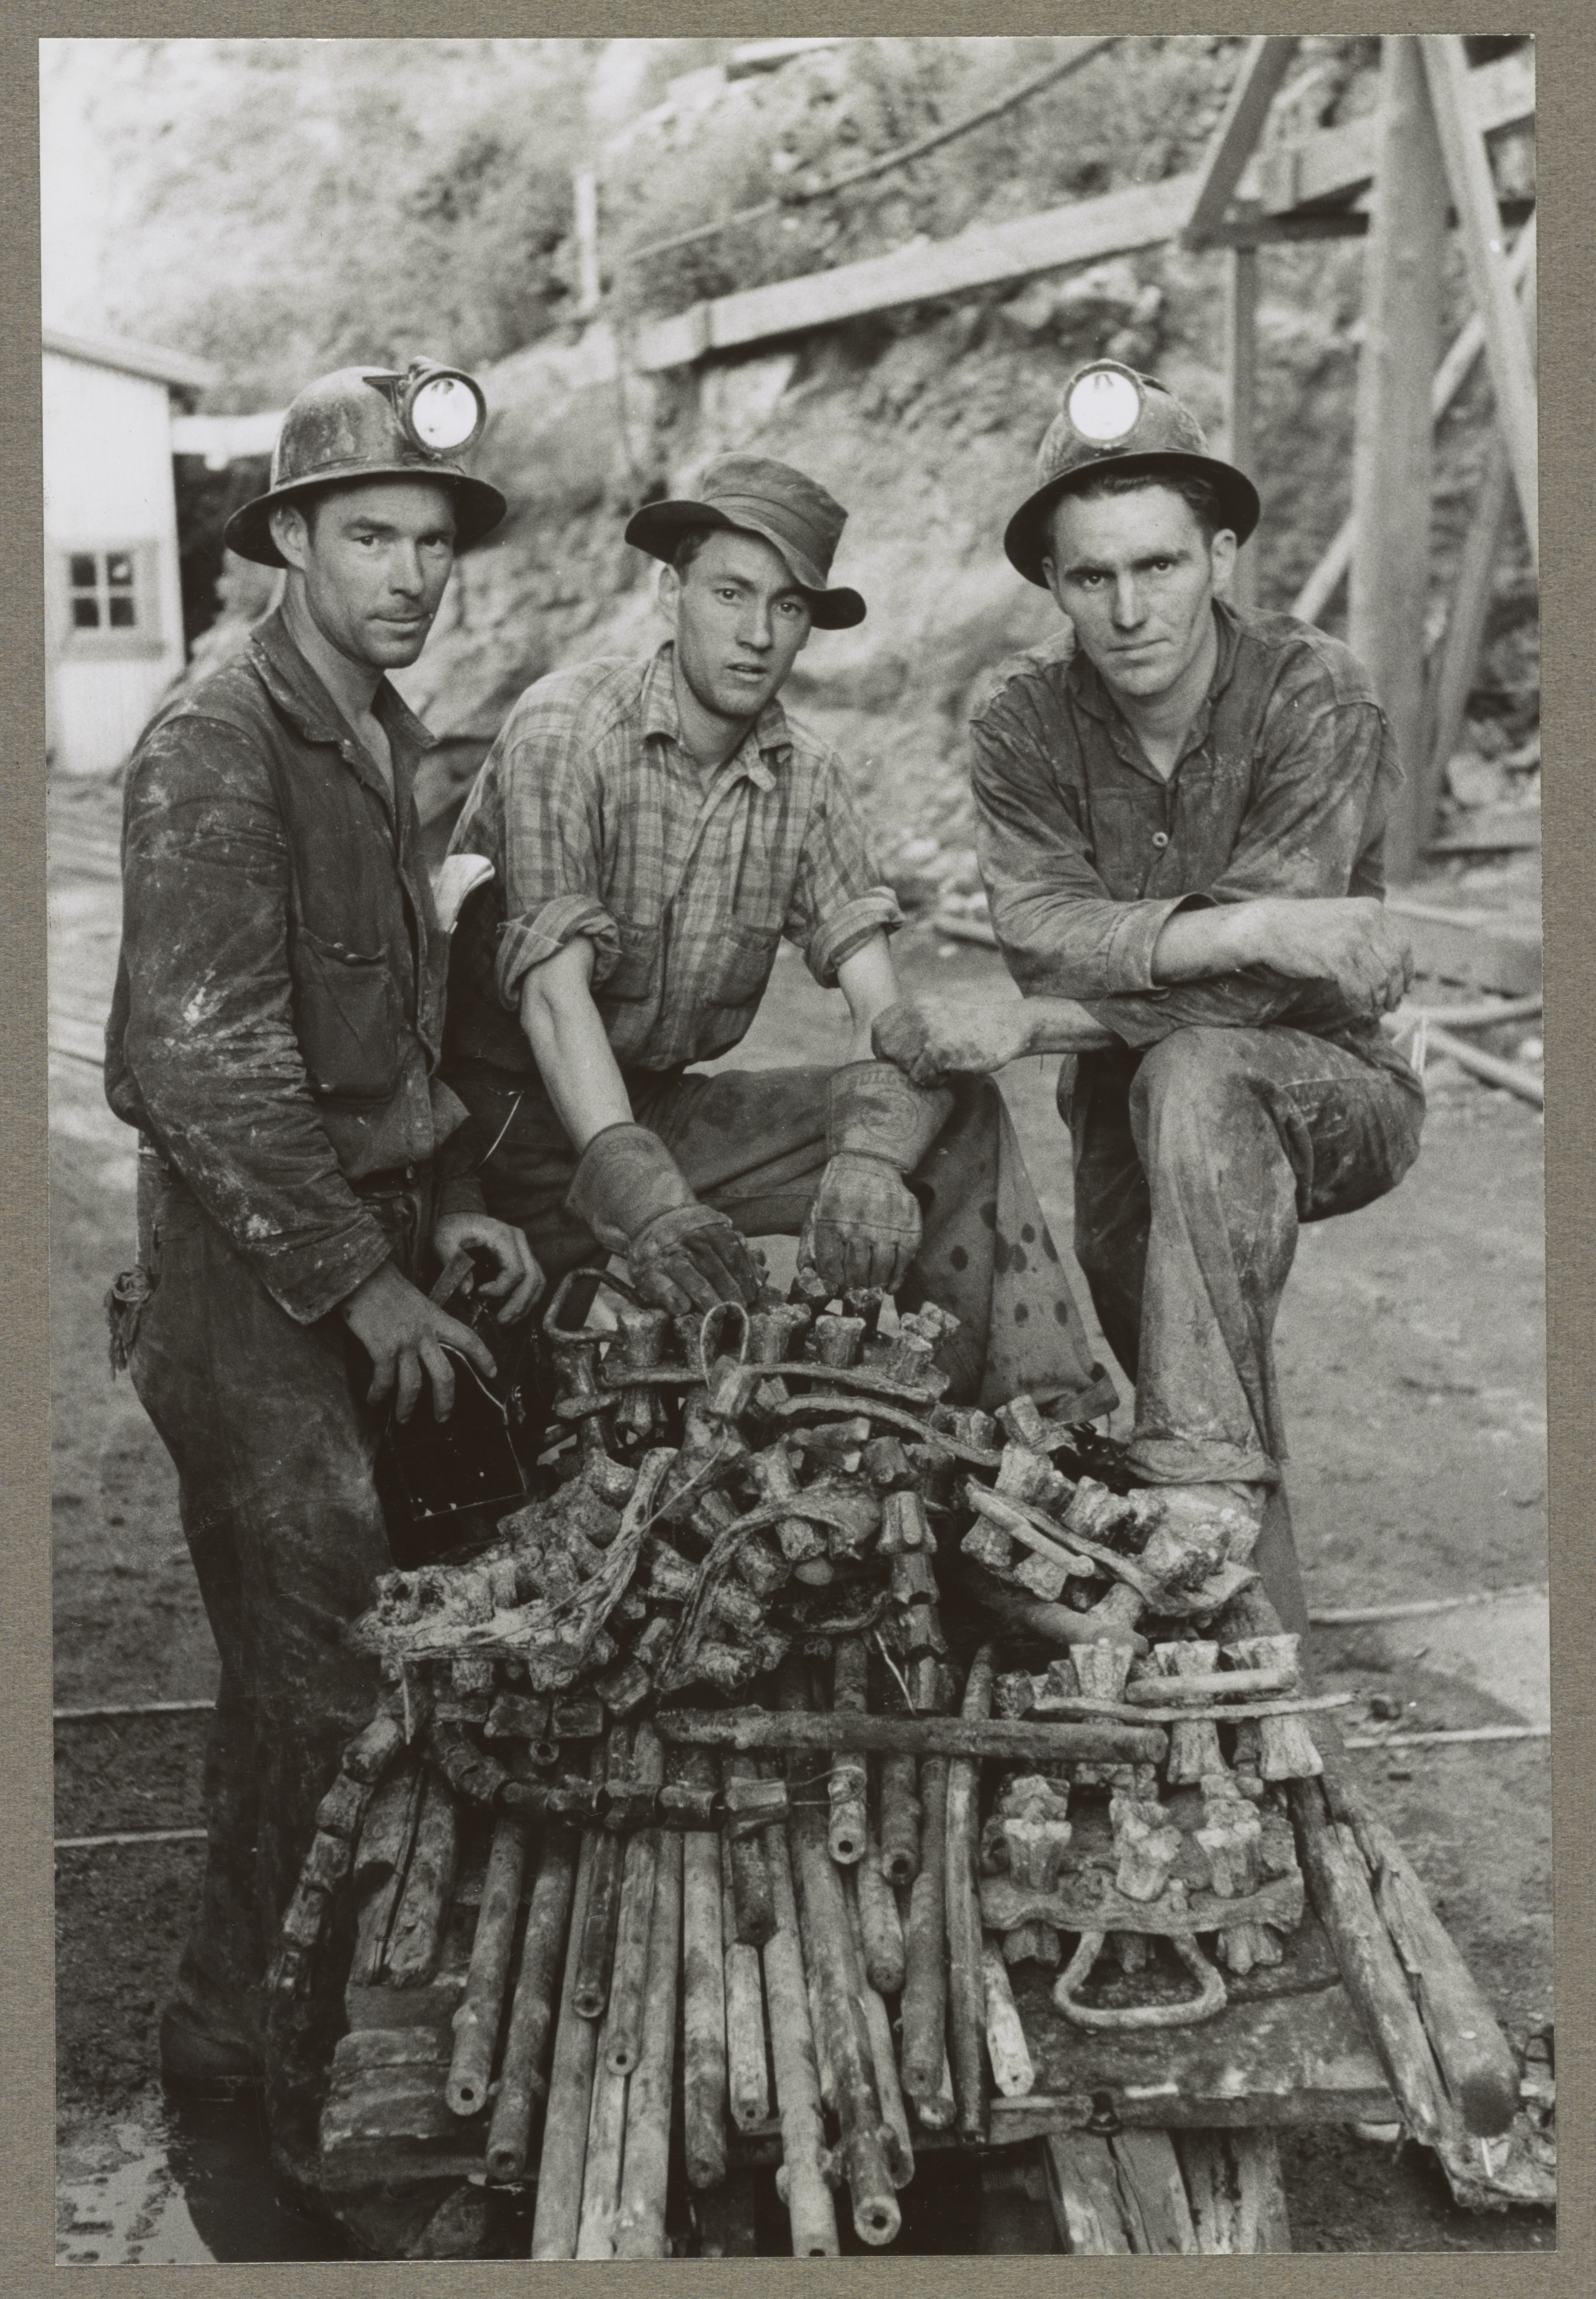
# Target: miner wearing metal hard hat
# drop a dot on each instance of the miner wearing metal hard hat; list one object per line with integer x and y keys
{"x": 275, "y": 1037}
{"x": 655, "y": 828}
{"x": 1179, "y": 824}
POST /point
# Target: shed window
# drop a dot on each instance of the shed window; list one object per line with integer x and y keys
{"x": 111, "y": 600}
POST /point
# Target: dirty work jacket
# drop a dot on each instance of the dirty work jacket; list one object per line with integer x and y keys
{"x": 1283, "y": 788}
{"x": 278, "y": 1010}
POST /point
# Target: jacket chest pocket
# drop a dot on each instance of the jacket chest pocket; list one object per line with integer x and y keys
{"x": 746, "y": 956}
{"x": 635, "y": 974}
{"x": 349, "y": 1018}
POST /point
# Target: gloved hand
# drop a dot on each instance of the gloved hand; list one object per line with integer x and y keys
{"x": 863, "y": 1229}
{"x": 633, "y": 1195}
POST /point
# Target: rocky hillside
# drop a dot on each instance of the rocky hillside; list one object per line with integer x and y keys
{"x": 924, "y": 421}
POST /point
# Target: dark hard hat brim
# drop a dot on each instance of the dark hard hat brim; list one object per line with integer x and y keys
{"x": 478, "y": 507}
{"x": 659, "y": 527}
{"x": 1027, "y": 542}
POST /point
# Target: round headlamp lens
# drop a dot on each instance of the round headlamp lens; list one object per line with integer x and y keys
{"x": 445, "y": 413}
{"x": 1105, "y": 405}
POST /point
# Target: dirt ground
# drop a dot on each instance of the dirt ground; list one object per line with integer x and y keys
{"x": 1411, "y": 1346}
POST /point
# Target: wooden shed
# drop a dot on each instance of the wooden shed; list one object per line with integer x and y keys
{"x": 114, "y": 609}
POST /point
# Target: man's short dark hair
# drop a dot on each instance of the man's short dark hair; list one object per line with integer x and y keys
{"x": 688, "y": 544}
{"x": 1199, "y": 495}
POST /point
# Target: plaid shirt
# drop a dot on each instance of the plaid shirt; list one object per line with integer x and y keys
{"x": 1282, "y": 788}
{"x": 598, "y": 822}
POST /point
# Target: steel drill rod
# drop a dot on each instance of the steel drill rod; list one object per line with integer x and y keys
{"x": 482, "y": 2009}
{"x": 880, "y": 1924}
{"x": 966, "y": 1988}
{"x": 747, "y": 2078}
{"x": 629, "y": 1980}
{"x": 900, "y": 2146}
{"x": 750, "y": 1880}
{"x": 645, "y": 2161}
{"x": 521, "y": 2081}
{"x": 564, "y": 2151}
{"x": 922, "y": 1736}
{"x": 924, "y": 2007}
{"x": 801, "y": 2181}
{"x": 704, "y": 2105}
{"x": 595, "y": 1957}
{"x": 845, "y": 1786}
{"x": 900, "y": 1818}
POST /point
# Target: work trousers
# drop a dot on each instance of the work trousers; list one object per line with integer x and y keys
{"x": 752, "y": 1144}
{"x": 1195, "y": 1162}
{"x": 274, "y": 1444}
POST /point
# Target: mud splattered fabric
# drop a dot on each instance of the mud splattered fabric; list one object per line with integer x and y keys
{"x": 1194, "y": 1165}
{"x": 278, "y": 1013}
{"x": 752, "y": 1143}
{"x": 1282, "y": 788}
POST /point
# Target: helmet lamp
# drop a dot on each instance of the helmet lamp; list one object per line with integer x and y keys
{"x": 1105, "y": 405}
{"x": 442, "y": 409}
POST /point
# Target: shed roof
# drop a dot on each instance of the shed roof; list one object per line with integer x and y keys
{"x": 129, "y": 358}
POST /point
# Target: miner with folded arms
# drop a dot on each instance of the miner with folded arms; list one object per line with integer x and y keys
{"x": 654, "y": 827}
{"x": 1179, "y": 825}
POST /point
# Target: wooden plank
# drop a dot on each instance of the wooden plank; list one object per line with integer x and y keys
{"x": 1492, "y": 830}
{"x": 1238, "y": 2195}
{"x": 1235, "y": 139}
{"x": 1393, "y": 448}
{"x": 1241, "y": 369}
{"x": 1139, "y": 217}
{"x": 1447, "y": 700}
{"x": 1450, "y": 376}
{"x": 1084, "y": 2191}
{"x": 1474, "y": 193}
{"x": 1480, "y": 950}
{"x": 1153, "y": 2194}
{"x": 1338, "y": 163}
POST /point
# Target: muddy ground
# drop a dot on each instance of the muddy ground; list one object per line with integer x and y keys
{"x": 1411, "y": 1347}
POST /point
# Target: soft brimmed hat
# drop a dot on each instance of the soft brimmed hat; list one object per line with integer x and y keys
{"x": 792, "y": 513}
{"x": 359, "y": 424}
{"x": 1111, "y": 417}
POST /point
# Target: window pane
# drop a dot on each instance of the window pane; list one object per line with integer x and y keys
{"x": 119, "y": 570}
{"x": 86, "y": 614}
{"x": 122, "y": 617}
{"x": 83, "y": 570}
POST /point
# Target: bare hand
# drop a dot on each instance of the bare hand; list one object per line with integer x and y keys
{"x": 405, "y": 1337}
{"x": 1350, "y": 940}
{"x": 519, "y": 1282}
{"x": 935, "y": 1038}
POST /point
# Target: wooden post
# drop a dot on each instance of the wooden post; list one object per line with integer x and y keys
{"x": 1470, "y": 608}
{"x": 584, "y": 185}
{"x": 1394, "y": 440}
{"x": 1241, "y": 372}
{"x": 1479, "y": 224}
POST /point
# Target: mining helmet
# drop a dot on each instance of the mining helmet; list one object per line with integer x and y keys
{"x": 1112, "y": 417}
{"x": 364, "y": 423}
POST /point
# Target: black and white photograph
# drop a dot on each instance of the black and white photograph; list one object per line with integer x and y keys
{"x": 797, "y": 1273}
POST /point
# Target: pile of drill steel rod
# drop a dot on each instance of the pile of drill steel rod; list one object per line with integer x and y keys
{"x": 557, "y": 1873}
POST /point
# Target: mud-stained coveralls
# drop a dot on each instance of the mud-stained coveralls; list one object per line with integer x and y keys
{"x": 1232, "y": 1110}
{"x": 598, "y": 822}
{"x": 274, "y": 1035}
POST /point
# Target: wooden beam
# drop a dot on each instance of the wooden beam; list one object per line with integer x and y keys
{"x": 1140, "y": 217}
{"x": 1471, "y": 605}
{"x": 1338, "y": 163}
{"x": 1468, "y": 173}
{"x": 1241, "y": 374}
{"x": 1478, "y": 949}
{"x": 1450, "y": 376}
{"x": 1394, "y": 439}
{"x": 1235, "y": 139}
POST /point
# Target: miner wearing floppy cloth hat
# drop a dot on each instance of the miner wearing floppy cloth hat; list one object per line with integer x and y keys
{"x": 1179, "y": 822}
{"x": 275, "y": 1037}
{"x": 654, "y": 829}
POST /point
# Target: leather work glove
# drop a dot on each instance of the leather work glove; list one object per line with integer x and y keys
{"x": 863, "y": 1229}
{"x": 633, "y": 1195}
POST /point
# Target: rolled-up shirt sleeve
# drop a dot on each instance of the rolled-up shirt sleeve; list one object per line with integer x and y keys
{"x": 837, "y": 901}
{"x": 1062, "y": 931}
{"x": 209, "y": 1036}
{"x": 552, "y": 846}
{"x": 1314, "y": 833}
